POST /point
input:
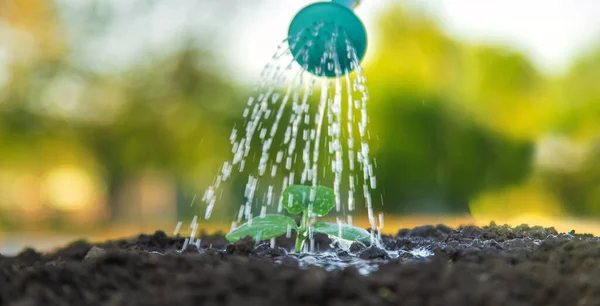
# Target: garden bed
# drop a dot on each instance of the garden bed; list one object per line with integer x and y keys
{"x": 430, "y": 265}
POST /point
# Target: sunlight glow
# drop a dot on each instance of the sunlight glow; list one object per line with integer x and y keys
{"x": 69, "y": 188}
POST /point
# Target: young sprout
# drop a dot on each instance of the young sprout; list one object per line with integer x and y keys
{"x": 304, "y": 200}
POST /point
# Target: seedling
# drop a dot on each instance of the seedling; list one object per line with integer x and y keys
{"x": 305, "y": 200}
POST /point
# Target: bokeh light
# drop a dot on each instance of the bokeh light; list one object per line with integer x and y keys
{"x": 69, "y": 188}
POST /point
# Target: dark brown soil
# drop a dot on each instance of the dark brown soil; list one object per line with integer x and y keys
{"x": 494, "y": 265}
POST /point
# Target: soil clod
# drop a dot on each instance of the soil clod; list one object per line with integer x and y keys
{"x": 374, "y": 252}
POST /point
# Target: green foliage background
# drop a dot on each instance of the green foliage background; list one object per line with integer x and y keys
{"x": 459, "y": 126}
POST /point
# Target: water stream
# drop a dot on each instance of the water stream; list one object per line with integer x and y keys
{"x": 302, "y": 129}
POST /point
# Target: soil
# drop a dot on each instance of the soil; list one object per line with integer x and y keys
{"x": 430, "y": 265}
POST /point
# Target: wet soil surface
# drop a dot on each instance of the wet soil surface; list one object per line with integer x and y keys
{"x": 430, "y": 265}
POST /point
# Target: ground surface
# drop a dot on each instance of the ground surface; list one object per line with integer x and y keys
{"x": 494, "y": 265}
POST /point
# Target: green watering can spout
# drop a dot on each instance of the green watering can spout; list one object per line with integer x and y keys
{"x": 318, "y": 25}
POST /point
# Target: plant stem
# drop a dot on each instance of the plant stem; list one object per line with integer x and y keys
{"x": 301, "y": 237}
{"x": 299, "y": 243}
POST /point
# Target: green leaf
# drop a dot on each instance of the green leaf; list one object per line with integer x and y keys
{"x": 349, "y": 232}
{"x": 261, "y": 228}
{"x": 300, "y": 199}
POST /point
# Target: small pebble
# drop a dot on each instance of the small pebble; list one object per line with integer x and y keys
{"x": 357, "y": 247}
{"x": 94, "y": 253}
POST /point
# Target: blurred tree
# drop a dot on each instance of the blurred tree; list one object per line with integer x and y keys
{"x": 579, "y": 96}
{"x": 434, "y": 153}
{"x": 574, "y": 173}
{"x": 167, "y": 111}
{"x": 175, "y": 120}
